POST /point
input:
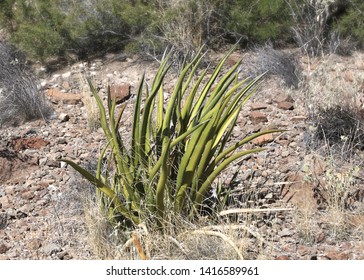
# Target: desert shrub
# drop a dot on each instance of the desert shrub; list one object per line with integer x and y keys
{"x": 257, "y": 21}
{"x": 333, "y": 101}
{"x": 341, "y": 127}
{"x": 187, "y": 25}
{"x": 100, "y": 26}
{"x": 313, "y": 24}
{"x": 36, "y": 27}
{"x": 177, "y": 148}
{"x": 20, "y": 99}
{"x": 277, "y": 63}
{"x": 340, "y": 44}
{"x": 84, "y": 28}
{"x": 61, "y": 27}
{"x": 351, "y": 23}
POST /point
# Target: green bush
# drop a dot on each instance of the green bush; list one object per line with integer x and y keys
{"x": 351, "y": 24}
{"x": 258, "y": 21}
{"x": 61, "y": 27}
{"x": 106, "y": 25}
{"x": 177, "y": 148}
{"x": 45, "y": 28}
{"x": 35, "y": 27}
{"x": 65, "y": 28}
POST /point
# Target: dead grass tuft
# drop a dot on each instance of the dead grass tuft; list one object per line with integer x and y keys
{"x": 277, "y": 63}
{"x": 92, "y": 111}
{"x": 180, "y": 240}
{"x": 20, "y": 98}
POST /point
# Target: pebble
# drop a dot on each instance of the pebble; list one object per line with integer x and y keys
{"x": 285, "y": 233}
{"x": 51, "y": 249}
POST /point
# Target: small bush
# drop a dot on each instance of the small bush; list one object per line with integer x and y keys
{"x": 310, "y": 24}
{"x": 187, "y": 25}
{"x": 278, "y": 63}
{"x": 257, "y": 21}
{"x": 340, "y": 127}
{"x": 43, "y": 28}
{"x": 321, "y": 26}
{"x": 101, "y": 26}
{"x": 20, "y": 99}
{"x": 340, "y": 44}
{"x": 351, "y": 24}
{"x": 36, "y": 28}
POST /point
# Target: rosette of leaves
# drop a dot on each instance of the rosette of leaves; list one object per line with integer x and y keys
{"x": 178, "y": 148}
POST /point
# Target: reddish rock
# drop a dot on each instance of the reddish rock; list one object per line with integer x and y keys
{"x": 284, "y": 98}
{"x": 27, "y": 195}
{"x": 299, "y": 192}
{"x": 257, "y": 117}
{"x": 14, "y": 166}
{"x": 264, "y": 139}
{"x": 258, "y": 106}
{"x": 120, "y": 93}
{"x": 285, "y": 105}
{"x": 28, "y": 143}
{"x": 349, "y": 76}
{"x": 4, "y": 202}
{"x": 282, "y": 258}
{"x": 320, "y": 237}
{"x": 337, "y": 255}
{"x": 3, "y": 248}
{"x": 57, "y": 96}
{"x": 305, "y": 250}
{"x": 10, "y": 190}
{"x": 45, "y": 183}
{"x": 346, "y": 246}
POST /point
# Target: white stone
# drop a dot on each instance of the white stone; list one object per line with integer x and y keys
{"x": 66, "y": 75}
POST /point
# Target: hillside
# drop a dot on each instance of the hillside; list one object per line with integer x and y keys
{"x": 300, "y": 199}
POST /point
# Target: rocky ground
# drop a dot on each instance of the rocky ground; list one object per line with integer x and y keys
{"x": 41, "y": 205}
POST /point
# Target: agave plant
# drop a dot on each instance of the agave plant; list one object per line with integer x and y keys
{"x": 178, "y": 148}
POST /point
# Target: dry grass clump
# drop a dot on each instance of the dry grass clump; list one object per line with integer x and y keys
{"x": 20, "y": 99}
{"x": 306, "y": 225}
{"x": 333, "y": 99}
{"x": 332, "y": 96}
{"x": 66, "y": 223}
{"x": 277, "y": 63}
{"x": 335, "y": 183}
{"x": 92, "y": 111}
{"x": 341, "y": 127}
{"x": 186, "y": 25}
{"x": 181, "y": 240}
